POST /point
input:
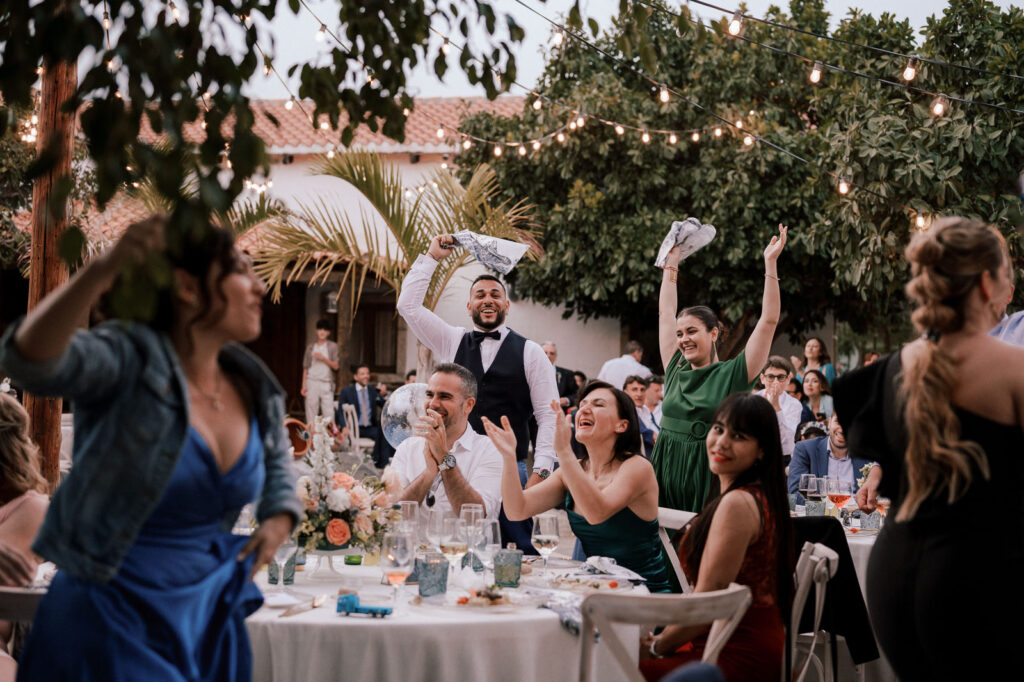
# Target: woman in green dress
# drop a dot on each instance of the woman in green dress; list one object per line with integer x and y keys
{"x": 696, "y": 381}
{"x": 610, "y": 494}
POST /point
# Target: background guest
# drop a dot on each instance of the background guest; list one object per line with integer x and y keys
{"x": 653, "y": 397}
{"x": 809, "y": 430}
{"x": 616, "y": 370}
{"x": 367, "y": 402}
{"x": 817, "y": 395}
{"x": 815, "y": 357}
{"x": 610, "y": 494}
{"x": 581, "y": 379}
{"x": 743, "y": 535}
{"x": 774, "y": 377}
{"x": 944, "y": 418}
{"x": 319, "y": 363}
{"x": 825, "y": 456}
{"x": 565, "y": 379}
{"x": 178, "y": 426}
{"x": 410, "y": 376}
{"x": 636, "y": 388}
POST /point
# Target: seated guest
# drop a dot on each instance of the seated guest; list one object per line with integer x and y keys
{"x": 774, "y": 377}
{"x": 610, "y": 494}
{"x": 825, "y": 456}
{"x": 743, "y": 535}
{"x": 796, "y": 390}
{"x": 635, "y": 387}
{"x": 817, "y": 395}
{"x": 809, "y": 430}
{"x": 23, "y": 504}
{"x": 447, "y": 464}
{"x": 653, "y": 397}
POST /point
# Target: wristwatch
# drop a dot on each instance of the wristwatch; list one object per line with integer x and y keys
{"x": 447, "y": 463}
{"x": 543, "y": 473}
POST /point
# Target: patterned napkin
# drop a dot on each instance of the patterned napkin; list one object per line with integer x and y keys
{"x": 497, "y": 254}
{"x": 690, "y": 235}
{"x": 607, "y": 566}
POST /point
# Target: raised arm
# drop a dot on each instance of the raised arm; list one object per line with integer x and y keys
{"x": 521, "y": 504}
{"x": 433, "y": 332}
{"x": 760, "y": 343}
{"x": 668, "y": 302}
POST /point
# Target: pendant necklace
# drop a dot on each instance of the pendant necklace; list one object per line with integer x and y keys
{"x": 213, "y": 398}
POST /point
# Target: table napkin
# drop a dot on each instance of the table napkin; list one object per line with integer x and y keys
{"x": 497, "y": 254}
{"x": 607, "y": 566}
{"x": 690, "y": 235}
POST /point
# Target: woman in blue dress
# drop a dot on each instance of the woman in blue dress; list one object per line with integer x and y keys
{"x": 177, "y": 427}
{"x": 610, "y": 494}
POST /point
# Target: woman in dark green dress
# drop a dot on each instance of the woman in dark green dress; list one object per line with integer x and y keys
{"x": 611, "y": 494}
{"x": 696, "y": 381}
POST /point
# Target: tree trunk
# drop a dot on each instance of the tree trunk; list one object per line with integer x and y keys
{"x": 47, "y": 270}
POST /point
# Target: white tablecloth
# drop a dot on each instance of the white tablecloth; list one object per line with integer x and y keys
{"x": 426, "y": 643}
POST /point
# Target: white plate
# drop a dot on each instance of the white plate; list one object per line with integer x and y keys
{"x": 283, "y": 600}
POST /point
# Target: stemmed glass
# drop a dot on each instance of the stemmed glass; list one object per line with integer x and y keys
{"x": 435, "y": 526}
{"x": 882, "y": 505}
{"x": 396, "y": 558}
{"x": 545, "y": 534}
{"x": 470, "y": 514}
{"x": 281, "y": 555}
{"x": 410, "y": 520}
{"x": 487, "y": 537}
{"x": 839, "y": 492}
{"x": 807, "y": 484}
{"x": 454, "y": 544}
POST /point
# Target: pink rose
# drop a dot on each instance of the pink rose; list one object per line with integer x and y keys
{"x": 338, "y": 532}
{"x": 360, "y": 497}
{"x": 362, "y": 524}
{"x": 342, "y": 480}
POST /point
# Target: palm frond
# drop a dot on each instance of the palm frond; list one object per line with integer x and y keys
{"x": 247, "y": 214}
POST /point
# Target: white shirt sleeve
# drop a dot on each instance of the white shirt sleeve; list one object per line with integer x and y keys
{"x": 402, "y": 461}
{"x": 433, "y": 332}
{"x": 540, "y": 375}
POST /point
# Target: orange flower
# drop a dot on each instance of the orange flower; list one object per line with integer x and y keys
{"x": 338, "y": 532}
{"x": 382, "y": 500}
{"x": 342, "y": 480}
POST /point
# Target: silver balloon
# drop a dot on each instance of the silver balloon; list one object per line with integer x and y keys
{"x": 402, "y": 411}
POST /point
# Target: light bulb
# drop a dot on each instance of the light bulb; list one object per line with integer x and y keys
{"x": 408, "y": 194}
{"x": 330, "y": 152}
{"x": 663, "y": 94}
{"x": 572, "y": 125}
{"x": 718, "y": 132}
{"x": 321, "y": 34}
{"x": 202, "y": 124}
{"x": 440, "y": 132}
{"x": 619, "y": 130}
{"x": 558, "y": 38}
{"x": 522, "y": 150}
{"x": 646, "y": 137}
{"x": 560, "y": 137}
{"x": 324, "y": 125}
{"x": 266, "y": 68}
{"x": 406, "y": 112}
{"x": 537, "y": 104}
{"x": 106, "y": 21}
{"x": 434, "y": 184}
{"x": 695, "y": 137}
{"x": 940, "y": 105}
{"x": 816, "y": 72}
{"x": 110, "y": 65}
{"x": 736, "y": 24}
{"x": 420, "y": 189}
{"x": 748, "y": 140}
{"x": 117, "y": 94}
{"x": 536, "y": 146}
{"x": 672, "y": 139}
{"x": 844, "y": 186}
{"x": 919, "y": 220}
{"x": 175, "y": 12}
{"x": 497, "y": 150}
{"x": 289, "y": 104}
{"x": 466, "y": 144}
{"x": 911, "y": 71}
{"x": 739, "y": 124}
{"x": 580, "y": 121}
{"x": 445, "y": 47}
{"x": 35, "y": 120}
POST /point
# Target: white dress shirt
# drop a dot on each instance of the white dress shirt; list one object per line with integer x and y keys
{"x": 476, "y": 458}
{"x": 647, "y": 418}
{"x": 443, "y": 340}
{"x": 789, "y": 419}
{"x": 617, "y": 370}
{"x": 841, "y": 469}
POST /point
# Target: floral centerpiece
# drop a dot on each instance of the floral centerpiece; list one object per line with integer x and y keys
{"x": 342, "y": 512}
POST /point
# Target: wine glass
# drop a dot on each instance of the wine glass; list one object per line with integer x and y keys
{"x": 410, "y": 519}
{"x": 284, "y": 552}
{"x": 807, "y": 484}
{"x": 545, "y": 534}
{"x": 396, "y": 557}
{"x": 470, "y": 514}
{"x": 839, "y": 493}
{"x": 435, "y": 526}
{"x": 454, "y": 544}
{"x": 487, "y": 537}
{"x": 882, "y": 505}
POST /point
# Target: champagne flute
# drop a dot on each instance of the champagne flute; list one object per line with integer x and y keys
{"x": 545, "y": 534}
{"x": 396, "y": 557}
{"x": 284, "y": 552}
{"x": 471, "y": 514}
{"x": 435, "y": 526}
{"x": 454, "y": 544}
{"x": 409, "y": 511}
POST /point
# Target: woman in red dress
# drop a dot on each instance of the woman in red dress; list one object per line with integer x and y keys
{"x": 744, "y": 535}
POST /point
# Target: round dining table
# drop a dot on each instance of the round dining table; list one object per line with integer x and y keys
{"x": 429, "y": 642}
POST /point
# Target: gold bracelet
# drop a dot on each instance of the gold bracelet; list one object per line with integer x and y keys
{"x": 773, "y": 277}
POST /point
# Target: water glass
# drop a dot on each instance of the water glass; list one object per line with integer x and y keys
{"x": 435, "y": 526}
{"x": 454, "y": 542}
{"x": 545, "y": 534}
{"x": 285, "y": 552}
{"x": 470, "y": 514}
{"x": 410, "y": 518}
{"x": 396, "y": 561}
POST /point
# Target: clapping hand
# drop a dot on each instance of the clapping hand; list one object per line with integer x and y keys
{"x": 503, "y": 437}
{"x": 774, "y": 248}
{"x": 431, "y": 429}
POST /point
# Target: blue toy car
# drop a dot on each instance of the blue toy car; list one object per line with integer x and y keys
{"x": 349, "y": 604}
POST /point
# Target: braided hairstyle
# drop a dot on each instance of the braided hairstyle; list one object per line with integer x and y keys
{"x": 946, "y": 264}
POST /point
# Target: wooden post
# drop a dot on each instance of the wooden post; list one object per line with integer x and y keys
{"x": 46, "y": 269}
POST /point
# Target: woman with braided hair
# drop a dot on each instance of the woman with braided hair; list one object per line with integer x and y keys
{"x": 943, "y": 418}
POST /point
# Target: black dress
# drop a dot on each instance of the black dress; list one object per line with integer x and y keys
{"x": 945, "y": 590}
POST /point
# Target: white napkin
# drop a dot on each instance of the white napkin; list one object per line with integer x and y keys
{"x": 690, "y": 235}
{"x": 497, "y": 254}
{"x": 608, "y": 566}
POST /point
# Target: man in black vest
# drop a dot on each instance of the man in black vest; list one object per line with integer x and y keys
{"x": 513, "y": 374}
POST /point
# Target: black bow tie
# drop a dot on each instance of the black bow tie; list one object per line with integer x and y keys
{"x": 480, "y": 336}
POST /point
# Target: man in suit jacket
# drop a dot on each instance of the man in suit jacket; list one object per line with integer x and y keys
{"x": 565, "y": 379}
{"x": 825, "y": 456}
{"x": 366, "y": 400}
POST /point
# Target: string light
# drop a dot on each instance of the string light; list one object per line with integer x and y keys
{"x": 815, "y": 76}
{"x": 695, "y": 137}
{"x": 466, "y": 144}
{"x": 445, "y": 47}
{"x": 718, "y": 131}
{"x": 497, "y": 150}
{"x": 106, "y": 20}
{"x": 202, "y": 124}
{"x": 175, "y": 12}
{"x": 321, "y": 34}
{"x": 537, "y": 104}
{"x": 736, "y": 24}
{"x": 663, "y": 94}
{"x": 110, "y": 65}
{"x": 619, "y": 130}
{"x": 324, "y": 125}
{"x": 289, "y": 104}
{"x": 266, "y": 68}
{"x": 560, "y": 137}
{"x": 330, "y": 152}
{"x": 440, "y": 133}
{"x": 672, "y": 139}
{"x": 580, "y": 121}
{"x": 572, "y": 125}
{"x": 646, "y": 137}
{"x": 739, "y": 124}
{"x": 940, "y": 105}
{"x": 522, "y": 150}
{"x": 748, "y": 140}
{"x": 844, "y": 186}
{"x": 919, "y": 221}
{"x": 536, "y": 146}
{"x": 911, "y": 71}
{"x": 558, "y": 38}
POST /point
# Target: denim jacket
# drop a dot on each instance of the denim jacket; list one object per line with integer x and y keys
{"x": 131, "y": 420}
